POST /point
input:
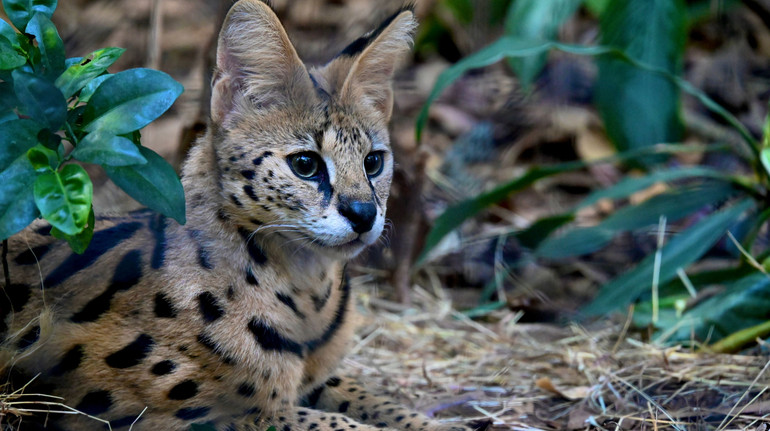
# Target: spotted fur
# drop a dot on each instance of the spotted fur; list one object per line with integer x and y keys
{"x": 240, "y": 318}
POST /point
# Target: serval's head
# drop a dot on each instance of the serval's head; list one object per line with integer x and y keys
{"x": 301, "y": 152}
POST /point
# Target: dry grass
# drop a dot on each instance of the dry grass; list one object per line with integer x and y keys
{"x": 545, "y": 377}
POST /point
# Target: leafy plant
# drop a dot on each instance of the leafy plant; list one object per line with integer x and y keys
{"x": 55, "y": 110}
{"x": 708, "y": 202}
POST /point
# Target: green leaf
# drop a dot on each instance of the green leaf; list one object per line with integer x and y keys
{"x": 40, "y": 100}
{"x": 64, "y": 198}
{"x": 461, "y": 9}
{"x": 130, "y": 100}
{"x": 681, "y": 250}
{"x": 78, "y": 242}
{"x": 743, "y": 304}
{"x": 674, "y": 205}
{"x": 597, "y": 7}
{"x": 532, "y": 236}
{"x": 16, "y": 137}
{"x": 9, "y": 57}
{"x": 652, "y": 32}
{"x": 88, "y": 91}
{"x": 21, "y": 11}
{"x": 17, "y": 204}
{"x": 9, "y": 33}
{"x": 536, "y": 20}
{"x": 43, "y": 159}
{"x": 81, "y": 73}
{"x": 630, "y": 185}
{"x": 49, "y": 43}
{"x": 104, "y": 148}
{"x": 154, "y": 184}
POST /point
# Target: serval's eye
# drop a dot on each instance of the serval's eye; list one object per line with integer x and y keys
{"x": 373, "y": 163}
{"x": 305, "y": 165}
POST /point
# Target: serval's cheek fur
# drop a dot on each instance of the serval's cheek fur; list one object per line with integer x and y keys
{"x": 239, "y": 318}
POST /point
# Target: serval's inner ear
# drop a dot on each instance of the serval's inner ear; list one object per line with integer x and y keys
{"x": 368, "y": 81}
{"x": 257, "y": 66}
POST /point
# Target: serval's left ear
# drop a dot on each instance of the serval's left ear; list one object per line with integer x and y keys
{"x": 376, "y": 57}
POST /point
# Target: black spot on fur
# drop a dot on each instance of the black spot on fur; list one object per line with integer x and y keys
{"x": 289, "y": 302}
{"x": 102, "y": 242}
{"x": 339, "y": 318}
{"x": 208, "y": 343}
{"x": 246, "y": 390}
{"x": 333, "y": 382}
{"x": 320, "y": 301}
{"x": 29, "y": 338}
{"x": 190, "y": 413}
{"x": 311, "y": 399}
{"x": 132, "y": 354}
{"x": 269, "y": 339}
{"x": 258, "y": 160}
{"x": 250, "y": 277}
{"x": 204, "y": 259}
{"x": 209, "y": 307}
{"x": 183, "y": 391}
{"x": 158, "y": 226}
{"x": 230, "y": 293}
{"x": 95, "y": 403}
{"x": 234, "y": 199}
{"x": 343, "y": 407}
{"x": 70, "y": 361}
{"x": 248, "y": 174}
{"x": 127, "y": 274}
{"x": 163, "y": 367}
{"x": 255, "y": 251}
{"x": 31, "y": 256}
{"x": 13, "y": 297}
{"x": 163, "y": 306}
{"x": 249, "y": 190}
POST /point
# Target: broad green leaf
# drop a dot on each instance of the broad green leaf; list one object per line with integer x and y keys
{"x": 537, "y": 20}
{"x": 9, "y": 33}
{"x": 456, "y": 214}
{"x": 462, "y": 9}
{"x": 597, "y": 7}
{"x": 9, "y": 57}
{"x": 154, "y": 184}
{"x": 532, "y": 236}
{"x": 674, "y": 205}
{"x": 130, "y": 100}
{"x": 764, "y": 156}
{"x": 64, "y": 198}
{"x": 16, "y": 137}
{"x": 104, "y": 148}
{"x": 680, "y": 251}
{"x": 630, "y": 185}
{"x": 20, "y": 12}
{"x": 43, "y": 159}
{"x": 17, "y": 204}
{"x": 744, "y": 303}
{"x": 81, "y": 73}
{"x": 8, "y": 100}
{"x": 50, "y": 45}
{"x": 652, "y": 32}
{"x": 78, "y": 242}
{"x": 90, "y": 88}
{"x": 40, "y": 100}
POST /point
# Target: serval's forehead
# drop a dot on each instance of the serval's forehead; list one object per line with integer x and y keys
{"x": 345, "y": 132}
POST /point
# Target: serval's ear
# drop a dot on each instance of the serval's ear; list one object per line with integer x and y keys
{"x": 376, "y": 57}
{"x": 257, "y": 66}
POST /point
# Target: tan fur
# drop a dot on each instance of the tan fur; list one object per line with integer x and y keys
{"x": 237, "y": 317}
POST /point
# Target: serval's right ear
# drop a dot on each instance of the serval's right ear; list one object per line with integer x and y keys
{"x": 257, "y": 66}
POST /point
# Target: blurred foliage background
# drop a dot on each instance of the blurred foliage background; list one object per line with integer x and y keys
{"x": 560, "y": 158}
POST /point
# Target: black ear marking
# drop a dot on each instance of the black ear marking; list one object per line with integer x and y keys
{"x": 359, "y": 45}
